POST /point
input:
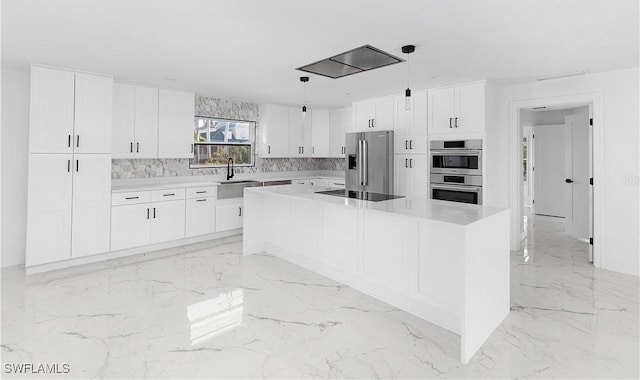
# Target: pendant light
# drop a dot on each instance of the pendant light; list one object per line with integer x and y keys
{"x": 304, "y": 80}
{"x": 408, "y": 49}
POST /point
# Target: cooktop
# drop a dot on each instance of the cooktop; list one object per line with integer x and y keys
{"x": 362, "y": 195}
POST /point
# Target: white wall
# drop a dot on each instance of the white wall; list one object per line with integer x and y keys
{"x": 15, "y": 127}
{"x": 549, "y": 170}
{"x": 620, "y": 176}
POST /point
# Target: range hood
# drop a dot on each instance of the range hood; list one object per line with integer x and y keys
{"x": 363, "y": 58}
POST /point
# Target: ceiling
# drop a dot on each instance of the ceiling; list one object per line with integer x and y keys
{"x": 248, "y": 49}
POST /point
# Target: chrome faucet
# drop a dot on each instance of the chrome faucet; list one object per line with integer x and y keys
{"x": 229, "y": 168}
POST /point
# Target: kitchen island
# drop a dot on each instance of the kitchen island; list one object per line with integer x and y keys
{"x": 445, "y": 262}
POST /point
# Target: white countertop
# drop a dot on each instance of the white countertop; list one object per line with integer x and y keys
{"x": 422, "y": 208}
{"x": 161, "y": 183}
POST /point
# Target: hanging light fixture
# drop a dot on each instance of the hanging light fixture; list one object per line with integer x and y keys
{"x": 304, "y": 80}
{"x": 408, "y": 49}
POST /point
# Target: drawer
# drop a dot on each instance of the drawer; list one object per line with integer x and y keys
{"x": 167, "y": 195}
{"x": 201, "y": 192}
{"x": 130, "y": 197}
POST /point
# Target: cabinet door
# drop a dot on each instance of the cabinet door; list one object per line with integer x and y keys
{"x": 383, "y": 248}
{"x": 341, "y": 223}
{"x": 320, "y": 133}
{"x": 93, "y": 114}
{"x": 146, "y": 121}
{"x": 469, "y": 103}
{"x": 175, "y": 124}
{"x": 200, "y": 216}
{"x": 124, "y": 100}
{"x": 441, "y": 110}
{"x": 418, "y": 176}
{"x": 418, "y": 141}
{"x": 402, "y": 180}
{"x": 404, "y": 125}
{"x": 384, "y": 114}
{"x": 49, "y": 208}
{"x": 51, "y": 110}
{"x": 303, "y": 234}
{"x": 364, "y": 112}
{"x": 299, "y": 132}
{"x": 274, "y": 131}
{"x": 167, "y": 221}
{"x": 91, "y": 219}
{"x": 228, "y": 216}
{"x": 337, "y": 125}
{"x": 130, "y": 226}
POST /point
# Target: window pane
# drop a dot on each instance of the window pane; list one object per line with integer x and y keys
{"x": 223, "y": 131}
{"x": 218, "y": 154}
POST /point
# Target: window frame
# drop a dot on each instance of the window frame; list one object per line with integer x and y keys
{"x": 251, "y": 144}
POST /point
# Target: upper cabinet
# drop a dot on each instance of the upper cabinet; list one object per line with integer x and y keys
{"x": 374, "y": 114}
{"x": 410, "y": 135}
{"x": 135, "y": 121}
{"x": 340, "y": 121}
{"x": 300, "y": 132}
{"x": 69, "y": 112}
{"x": 175, "y": 123}
{"x": 320, "y": 133}
{"x": 274, "y": 131}
{"x": 457, "y": 109}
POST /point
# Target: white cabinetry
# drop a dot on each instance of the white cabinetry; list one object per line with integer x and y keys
{"x": 130, "y": 226}
{"x": 68, "y": 206}
{"x": 411, "y": 178}
{"x": 320, "y": 133}
{"x": 339, "y": 124}
{"x": 342, "y": 225}
{"x": 299, "y": 133}
{"x": 167, "y": 221}
{"x": 200, "y": 211}
{"x": 377, "y": 114}
{"x": 69, "y": 112}
{"x": 410, "y": 134}
{"x": 458, "y": 109}
{"x": 274, "y": 131}
{"x": 135, "y": 121}
{"x": 229, "y": 214}
{"x": 175, "y": 124}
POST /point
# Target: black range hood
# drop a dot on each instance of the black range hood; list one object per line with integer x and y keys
{"x": 354, "y": 61}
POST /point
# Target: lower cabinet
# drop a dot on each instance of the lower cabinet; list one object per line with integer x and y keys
{"x": 229, "y": 215}
{"x": 167, "y": 221}
{"x": 200, "y": 216}
{"x": 341, "y": 224}
{"x": 410, "y": 173}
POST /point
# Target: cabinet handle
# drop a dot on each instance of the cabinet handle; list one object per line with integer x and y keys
{"x": 406, "y": 160}
{"x": 168, "y": 194}
{"x": 154, "y": 213}
{"x": 77, "y": 165}
{"x": 131, "y": 197}
{"x": 147, "y": 212}
{"x": 373, "y": 123}
{"x": 302, "y": 149}
{"x": 405, "y": 144}
{"x": 411, "y": 162}
{"x": 411, "y": 144}
{"x": 201, "y": 200}
{"x": 138, "y": 148}
{"x": 69, "y": 141}
{"x": 450, "y": 122}
{"x": 131, "y": 147}
{"x": 77, "y": 141}
{"x": 201, "y": 192}
{"x": 313, "y": 150}
{"x": 269, "y": 149}
{"x": 339, "y": 184}
{"x": 456, "y": 125}
{"x": 239, "y": 211}
{"x": 68, "y": 166}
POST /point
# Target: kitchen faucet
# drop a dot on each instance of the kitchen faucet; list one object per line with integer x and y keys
{"x": 229, "y": 168}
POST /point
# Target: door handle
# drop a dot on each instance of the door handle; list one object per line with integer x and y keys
{"x": 131, "y": 147}
{"x": 68, "y": 166}
{"x": 77, "y": 165}
{"x": 69, "y": 141}
{"x": 269, "y": 149}
{"x": 411, "y": 163}
{"x": 239, "y": 211}
{"x": 201, "y": 200}
{"x": 154, "y": 213}
{"x": 365, "y": 161}
{"x": 411, "y": 144}
{"x": 77, "y": 141}
{"x": 456, "y": 122}
{"x": 450, "y": 122}
{"x": 406, "y": 160}
{"x": 373, "y": 123}
{"x": 405, "y": 144}
{"x": 147, "y": 212}
{"x": 302, "y": 149}
{"x": 138, "y": 147}
{"x": 568, "y": 180}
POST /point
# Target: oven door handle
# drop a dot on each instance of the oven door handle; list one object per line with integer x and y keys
{"x": 475, "y": 189}
{"x": 457, "y": 153}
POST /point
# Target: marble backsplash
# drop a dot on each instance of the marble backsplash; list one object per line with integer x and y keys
{"x": 228, "y": 109}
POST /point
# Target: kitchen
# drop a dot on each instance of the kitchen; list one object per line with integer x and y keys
{"x": 170, "y": 225}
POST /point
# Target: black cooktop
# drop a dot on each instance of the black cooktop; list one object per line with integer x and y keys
{"x": 362, "y": 195}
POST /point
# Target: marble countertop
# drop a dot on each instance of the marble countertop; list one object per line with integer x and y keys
{"x": 161, "y": 183}
{"x": 422, "y": 208}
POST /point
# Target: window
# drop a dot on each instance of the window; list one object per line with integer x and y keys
{"x": 217, "y": 140}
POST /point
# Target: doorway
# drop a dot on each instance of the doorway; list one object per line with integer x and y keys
{"x": 556, "y": 172}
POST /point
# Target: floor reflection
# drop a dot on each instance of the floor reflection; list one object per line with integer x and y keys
{"x": 215, "y": 316}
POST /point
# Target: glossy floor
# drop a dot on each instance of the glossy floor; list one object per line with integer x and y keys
{"x": 211, "y": 313}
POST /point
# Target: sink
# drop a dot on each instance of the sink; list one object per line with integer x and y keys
{"x": 235, "y": 189}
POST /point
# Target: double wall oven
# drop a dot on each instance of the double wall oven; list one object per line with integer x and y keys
{"x": 456, "y": 171}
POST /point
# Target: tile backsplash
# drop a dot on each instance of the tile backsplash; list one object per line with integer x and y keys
{"x": 222, "y": 108}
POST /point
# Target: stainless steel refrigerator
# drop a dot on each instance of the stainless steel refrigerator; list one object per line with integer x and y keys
{"x": 370, "y": 161}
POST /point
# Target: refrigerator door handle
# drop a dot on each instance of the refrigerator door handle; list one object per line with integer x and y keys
{"x": 365, "y": 161}
{"x": 359, "y": 163}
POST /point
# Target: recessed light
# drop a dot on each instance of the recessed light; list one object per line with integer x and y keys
{"x": 436, "y": 77}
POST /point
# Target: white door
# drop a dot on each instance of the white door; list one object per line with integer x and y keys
{"x": 402, "y": 184}
{"x": 341, "y": 224}
{"x": 441, "y": 110}
{"x": 91, "y": 220}
{"x": 146, "y": 122}
{"x": 93, "y": 114}
{"x": 228, "y": 216}
{"x": 303, "y": 238}
{"x": 130, "y": 226}
{"x": 549, "y": 170}
{"x": 320, "y": 133}
{"x": 200, "y": 216}
{"x": 337, "y": 129}
{"x": 469, "y": 105}
{"x": 418, "y": 180}
{"x": 418, "y": 142}
{"x": 300, "y": 126}
{"x": 274, "y": 131}
{"x": 175, "y": 124}
{"x": 384, "y": 114}
{"x": 404, "y": 125}
{"x": 124, "y": 98}
{"x": 51, "y": 110}
{"x": 577, "y": 175}
{"x": 167, "y": 220}
{"x": 364, "y": 112}
{"x": 49, "y": 208}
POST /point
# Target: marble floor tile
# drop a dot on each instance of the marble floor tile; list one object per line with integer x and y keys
{"x": 205, "y": 311}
